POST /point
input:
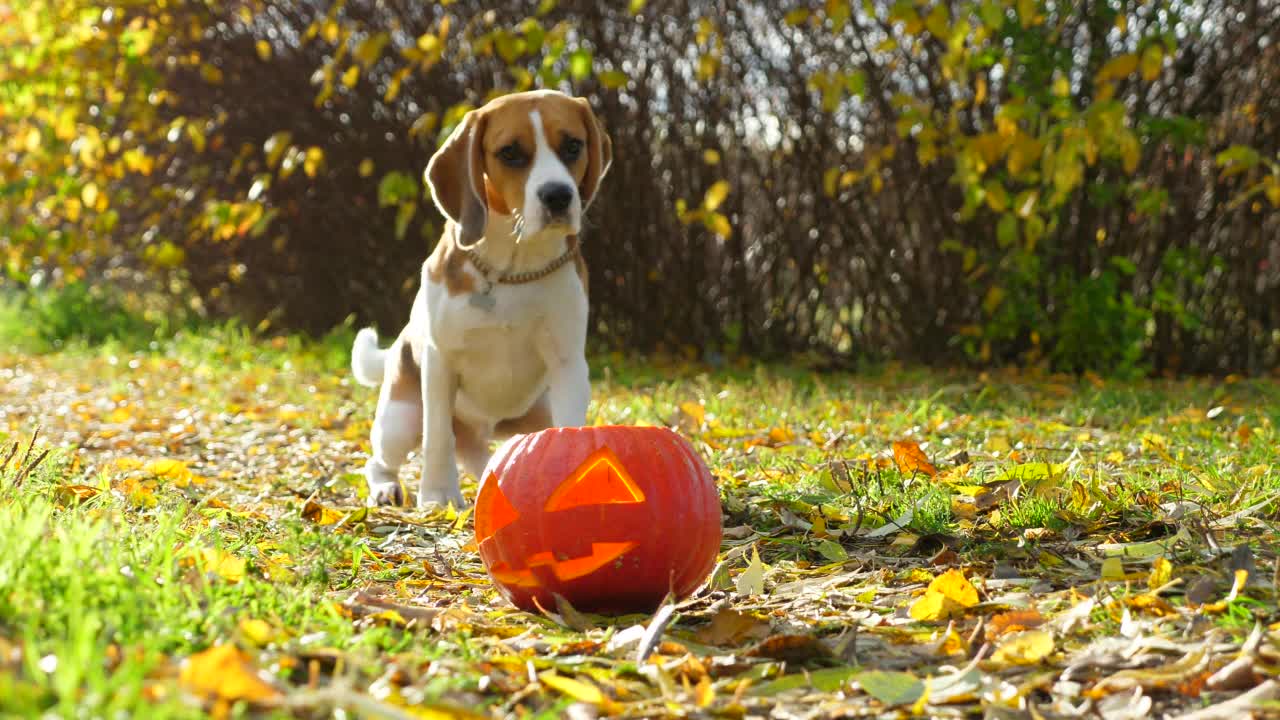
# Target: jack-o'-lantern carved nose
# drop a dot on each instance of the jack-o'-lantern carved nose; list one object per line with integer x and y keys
{"x": 601, "y": 479}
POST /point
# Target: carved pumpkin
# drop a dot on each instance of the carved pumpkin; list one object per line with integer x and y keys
{"x": 611, "y": 518}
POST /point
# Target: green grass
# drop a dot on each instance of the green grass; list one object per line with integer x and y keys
{"x": 102, "y": 600}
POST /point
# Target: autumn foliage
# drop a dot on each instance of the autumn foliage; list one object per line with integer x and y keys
{"x": 1085, "y": 186}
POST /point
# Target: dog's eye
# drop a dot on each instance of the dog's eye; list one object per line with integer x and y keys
{"x": 570, "y": 149}
{"x": 512, "y": 156}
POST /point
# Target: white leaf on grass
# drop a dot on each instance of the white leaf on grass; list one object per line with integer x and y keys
{"x": 751, "y": 581}
{"x": 892, "y": 527}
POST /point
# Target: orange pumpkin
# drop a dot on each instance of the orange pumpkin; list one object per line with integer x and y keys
{"x": 611, "y": 518}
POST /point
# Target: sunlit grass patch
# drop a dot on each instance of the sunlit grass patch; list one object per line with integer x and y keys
{"x": 226, "y": 465}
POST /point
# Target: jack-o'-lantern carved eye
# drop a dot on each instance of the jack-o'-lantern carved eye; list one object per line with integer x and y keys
{"x": 493, "y": 510}
{"x": 601, "y": 479}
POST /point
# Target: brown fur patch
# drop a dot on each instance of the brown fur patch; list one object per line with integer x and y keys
{"x": 538, "y": 418}
{"x": 579, "y": 263}
{"x": 494, "y": 198}
{"x": 403, "y": 373}
{"x": 447, "y": 265}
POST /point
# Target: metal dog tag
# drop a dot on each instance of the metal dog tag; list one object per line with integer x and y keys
{"x": 483, "y": 301}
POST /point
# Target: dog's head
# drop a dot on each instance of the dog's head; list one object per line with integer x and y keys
{"x": 538, "y": 156}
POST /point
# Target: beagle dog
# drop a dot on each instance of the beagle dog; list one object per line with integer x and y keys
{"x": 495, "y": 343}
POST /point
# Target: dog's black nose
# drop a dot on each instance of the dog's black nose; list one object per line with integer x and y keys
{"x": 556, "y": 196}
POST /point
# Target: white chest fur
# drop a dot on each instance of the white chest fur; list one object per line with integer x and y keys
{"x": 503, "y": 350}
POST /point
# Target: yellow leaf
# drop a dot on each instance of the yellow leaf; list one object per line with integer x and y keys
{"x": 711, "y": 157}
{"x": 1112, "y": 569}
{"x": 366, "y": 167}
{"x": 1024, "y": 152}
{"x": 938, "y": 22}
{"x": 1118, "y": 67}
{"x": 175, "y": 471}
{"x": 612, "y": 79}
{"x": 997, "y": 198}
{"x": 716, "y": 195}
{"x": 795, "y": 17}
{"x": 1154, "y": 441}
{"x": 223, "y": 673}
{"x": 76, "y": 494}
{"x": 707, "y": 67}
{"x": 259, "y": 632}
{"x": 910, "y": 459}
{"x": 990, "y": 147}
{"x": 980, "y": 89}
{"x": 1161, "y": 573}
{"x": 934, "y": 606}
{"x": 1024, "y": 648}
{"x": 329, "y": 31}
{"x": 1025, "y": 204}
{"x": 1130, "y": 150}
{"x": 579, "y": 690}
{"x": 1150, "y": 605}
{"x": 391, "y": 617}
{"x": 703, "y": 693}
{"x": 956, "y": 586}
{"x": 264, "y": 50}
{"x": 780, "y": 435}
{"x": 65, "y": 127}
{"x": 995, "y": 296}
{"x": 89, "y": 195}
{"x": 718, "y": 224}
{"x": 948, "y": 596}
{"x": 1152, "y": 60}
{"x": 223, "y": 564}
{"x": 319, "y": 514}
{"x": 829, "y": 179}
{"x": 695, "y": 411}
{"x": 351, "y": 76}
{"x": 211, "y": 74}
{"x": 1271, "y": 187}
{"x": 33, "y": 140}
{"x": 311, "y": 163}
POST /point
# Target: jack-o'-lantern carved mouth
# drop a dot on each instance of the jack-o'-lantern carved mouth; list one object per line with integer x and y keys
{"x": 564, "y": 569}
{"x": 599, "y": 480}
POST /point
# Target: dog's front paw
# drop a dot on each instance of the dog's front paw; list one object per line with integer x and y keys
{"x": 388, "y": 493}
{"x": 428, "y": 497}
{"x": 385, "y": 488}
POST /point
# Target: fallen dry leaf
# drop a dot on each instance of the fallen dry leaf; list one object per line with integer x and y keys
{"x": 220, "y": 563}
{"x": 1025, "y": 648}
{"x": 224, "y": 673}
{"x": 580, "y": 690}
{"x": 751, "y": 581}
{"x": 910, "y": 459}
{"x": 730, "y": 627}
{"x": 1014, "y": 621}
{"x": 947, "y": 596}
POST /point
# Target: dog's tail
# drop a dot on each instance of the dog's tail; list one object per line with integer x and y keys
{"x": 367, "y": 359}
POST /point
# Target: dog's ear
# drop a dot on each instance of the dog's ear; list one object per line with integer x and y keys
{"x": 456, "y": 178}
{"x": 599, "y": 154}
